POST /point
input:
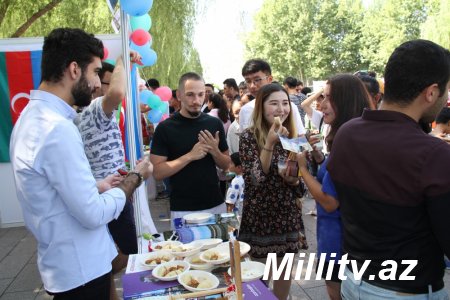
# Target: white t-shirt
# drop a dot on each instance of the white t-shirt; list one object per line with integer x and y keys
{"x": 245, "y": 117}
{"x": 233, "y": 137}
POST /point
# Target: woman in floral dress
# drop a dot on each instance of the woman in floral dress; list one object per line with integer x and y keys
{"x": 271, "y": 219}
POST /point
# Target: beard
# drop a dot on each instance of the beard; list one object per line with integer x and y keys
{"x": 194, "y": 114}
{"x": 82, "y": 92}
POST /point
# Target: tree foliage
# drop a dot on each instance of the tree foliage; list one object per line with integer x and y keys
{"x": 313, "y": 39}
{"x": 437, "y": 26}
{"x": 172, "y": 28}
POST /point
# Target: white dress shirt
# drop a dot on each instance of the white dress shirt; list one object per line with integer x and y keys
{"x": 245, "y": 117}
{"x": 59, "y": 197}
{"x": 233, "y": 137}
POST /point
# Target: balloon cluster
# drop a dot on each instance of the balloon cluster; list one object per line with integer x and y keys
{"x": 158, "y": 102}
{"x": 141, "y": 41}
{"x": 140, "y": 21}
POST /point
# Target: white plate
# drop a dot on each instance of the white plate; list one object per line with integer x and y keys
{"x": 197, "y": 217}
{"x": 166, "y": 245}
{"x": 224, "y": 256}
{"x": 198, "y": 266}
{"x": 200, "y": 276}
{"x": 191, "y": 249}
{"x": 244, "y": 247}
{"x": 157, "y": 271}
{"x": 250, "y": 270}
{"x": 209, "y": 243}
{"x": 154, "y": 255}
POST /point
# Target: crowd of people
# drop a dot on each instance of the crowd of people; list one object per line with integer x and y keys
{"x": 377, "y": 168}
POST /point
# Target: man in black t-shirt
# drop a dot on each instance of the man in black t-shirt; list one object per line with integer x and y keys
{"x": 187, "y": 148}
{"x": 393, "y": 185}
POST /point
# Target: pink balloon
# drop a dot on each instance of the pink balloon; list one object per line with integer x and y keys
{"x": 165, "y": 116}
{"x": 105, "y": 52}
{"x": 164, "y": 92}
{"x": 140, "y": 37}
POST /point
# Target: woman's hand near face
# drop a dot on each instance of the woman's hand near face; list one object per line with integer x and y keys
{"x": 275, "y": 130}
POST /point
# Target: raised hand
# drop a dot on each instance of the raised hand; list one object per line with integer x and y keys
{"x": 207, "y": 138}
{"x": 199, "y": 151}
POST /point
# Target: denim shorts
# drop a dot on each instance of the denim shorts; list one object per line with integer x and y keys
{"x": 352, "y": 289}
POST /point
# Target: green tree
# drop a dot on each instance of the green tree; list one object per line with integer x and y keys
{"x": 172, "y": 31}
{"x": 436, "y": 28}
{"x": 307, "y": 38}
{"x": 388, "y": 23}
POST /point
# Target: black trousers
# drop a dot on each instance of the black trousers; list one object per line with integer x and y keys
{"x": 97, "y": 289}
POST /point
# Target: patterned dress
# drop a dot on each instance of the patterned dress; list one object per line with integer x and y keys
{"x": 272, "y": 216}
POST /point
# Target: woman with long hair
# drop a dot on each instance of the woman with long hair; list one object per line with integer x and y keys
{"x": 218, "y": 108}
{"x": 345, "y": 98}
{"x": 271, "y": 219}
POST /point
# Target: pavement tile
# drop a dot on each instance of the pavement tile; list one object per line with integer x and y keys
{"x": 4, "y": 251}
{"x": 297, "y": 293}
{"x": 27, "y": 280}
{"x": 26, "y": 246}
{"x": 10, "y": 266}
{"x": 317, "y": 293}
{"x": 4, "y": 283}
{"x": 13, "y": 236}
{"x": 19, "y": 295}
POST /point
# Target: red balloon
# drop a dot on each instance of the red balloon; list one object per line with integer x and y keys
{"x": 140, "y": 37}
{"x": 164, "y": 92}
{"x": 106, "y": 52}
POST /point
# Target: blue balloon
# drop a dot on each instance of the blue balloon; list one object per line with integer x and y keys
{"x": 142, "y": 22}
{"x": 153, "y": 101}
{"x": 136, "y": 7}
{"x": 144, "y": 95}
{"x": 155, "y": 115}
{"x": 141, "y": 49}
{"x": 164, "y": 107}
{"x": 149, "y": 57}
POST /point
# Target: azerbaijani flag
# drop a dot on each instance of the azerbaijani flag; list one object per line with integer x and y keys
{"x": 20, "y": 72}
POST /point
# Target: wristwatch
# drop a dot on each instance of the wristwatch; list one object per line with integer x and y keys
{"x": 139, "y": 175}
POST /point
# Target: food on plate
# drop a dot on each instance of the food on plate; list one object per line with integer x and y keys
{"x": 198, "y": 283}
{"x": 171, "y": 271}
{"x": 197, "y": 261}
{"x": 157, "y": 260}
{"x": 179, "y": 249}
{"x": 212, "y": 256}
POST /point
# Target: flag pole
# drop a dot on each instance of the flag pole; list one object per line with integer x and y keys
{"x": 131, "y": 115}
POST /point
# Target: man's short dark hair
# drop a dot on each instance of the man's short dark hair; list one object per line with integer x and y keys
{"x": 372, "y": 85}
{"x": 412, "y": 67}
{"x": 188, "y": 76}
{"x": 236, "y": 159}
{"x": 230, "y": 82}
{"x": 106, "y": 67}
{"x": 210, "y": 85}
{"x": 306, "y": 90}
{"x": 64, "y": 46}
{"x": 152, "y": 83}
{"x": 299, "y": 82}
{"x": 444, "y": 116}
{"x": 291, "y": 82}
{"x": 256, "y": 65}
{"x": 242, "y": 85}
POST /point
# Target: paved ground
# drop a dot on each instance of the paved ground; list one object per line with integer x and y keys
{"x": 19, "y": 277}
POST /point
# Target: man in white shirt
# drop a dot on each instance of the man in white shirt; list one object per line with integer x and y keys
{"x": 55, "y": 186}
{"x": 257, "y": 73}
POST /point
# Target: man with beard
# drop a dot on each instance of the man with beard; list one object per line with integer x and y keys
{"x": 187, "y": 148}
{"x": 393, "y": 185}
{"x": 55, "y": 186}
